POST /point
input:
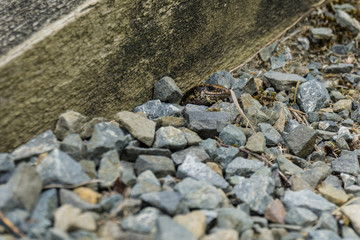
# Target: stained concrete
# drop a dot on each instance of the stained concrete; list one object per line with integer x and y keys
{"x": 105, "y": 55}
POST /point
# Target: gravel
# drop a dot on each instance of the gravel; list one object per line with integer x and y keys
{"x": 165, "y": 171}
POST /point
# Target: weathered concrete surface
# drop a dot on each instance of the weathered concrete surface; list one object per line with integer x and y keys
{"x": 105, "y": 56}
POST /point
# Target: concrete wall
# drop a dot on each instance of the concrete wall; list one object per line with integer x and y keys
{"x": 105, "y": 55}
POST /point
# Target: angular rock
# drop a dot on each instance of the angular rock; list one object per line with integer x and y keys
{"x": 283, "y": 81}
{"x": 223, "y": 78}
{"x": 60, "y": 168}
{"x": 160, "y": 166}
{"x": 155, "y": 109}
{"x": 328, "y": 126}
{"x": 346, "y": 163}
{"x": 44, "y": 142}
{"x": 266, "y": 52}
{"x": 166, "y": 121}
{"x": 224, "y": 155}
{"x": 87, "y": 194}
{"x": 210, "y": 146}
{"x": 193, "y": 196}
{"x": 107, "y": 136}
{"x": 336, "y": 95}
{"x": 307, "y": 199}
{"x": 301, "y": 140}
{"x": 68, "y": 217}
{"x": 275, "y": 212}
{"x": 69, "y": 122}
{"x": 333, "y": 194}
{"x": 6, "y": 163}
{"x": 256, "y": 143}
{"x": 231, "y": 135}
{"x": 167, "y": 229}
{"x": 88, "y": 128}
{"x": 206, "y": 124}
{"x": 242, "y": 167}
{"x": 315, "y": 173}
{"x": 170, "y": 137}
{"x": 356, "y": 115}
{"x": 300, "y": 216}
{"x": 345, "y": 20}
{"x": 312, "y": 96}
{"x": 330, "y": 116}
{"x": 277, "y": 62}
{"x": 192, "y": 138}
{"x": 323, "y": 234}
{"x": 233, "y": 218}
{"x": 167, "y": 201}
{"x": 194, "y": 221}
{"x": 196, "y": 152}
{"x": 144, "y": 222}
{"x": 255, "y": 191}
{"x": 339, "y": 68}
{"x": 21, "y": 191}
{"x": 353, "y": 213}
{"x": 224, "y": 234}
{"x": 73, "y": 145}
{"x": 139, "y": 126}
{"x": 321, "y": 33}
{"x": 199, "y": 171}
{"x": 110, "y": 169}
{"x": 167, "y": 91}
{"x": 131, "y": 153}
{"x": 272, "y": 136}
{"x": 146, "y": 182}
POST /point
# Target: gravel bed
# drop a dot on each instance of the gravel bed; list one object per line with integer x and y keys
{"x": 166, "y": 171}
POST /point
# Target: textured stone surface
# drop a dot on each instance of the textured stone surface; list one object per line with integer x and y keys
{"x": 166, "y": 201}
{"x": 196, "y": 152}
{"x": 170, "y": 137}
{"x": 69, "y": 122}
{"x": 312, "y": 96}
{"x": 160, "y": 166}
{"x": 234, "y": 219}
{"x": 168, "y": 229}
{"x": 301, "y": 140}
{"x": 167, "y": 91}
{"x": 232, "y": 135}
{"x": 139, "y": 126}
{"x": 242, "y": 167}
{"x": 353, "y": 213}
{"x": 194, "y": 221}
{"x": 283, "y": 81}
{"x": 110, "y": 168}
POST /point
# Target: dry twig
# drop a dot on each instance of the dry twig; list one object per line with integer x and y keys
{"x": 10, "y": 225}
{"x": 240, "y": 110}
{"x": 72, "y": 186}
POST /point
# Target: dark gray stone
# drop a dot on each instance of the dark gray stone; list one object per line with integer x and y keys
{"x": 330, "y": 116}
{"x": 342, "y": 144}
{"x": 328, "y": 126}
{"x": 323, "y": 234}
{"x": 170, "y": 137}
{"x": 283, "y": 81}
{"x": 21, "y": 191}
{"x": 210, "y": 146}
{"x": 110, "y": 169}
{"x": 167, "y": 229}
{"x": 339, "y": 68}
{"x": 233, "y": 218}
{"x": 348, "y": 122}
{"x": 107, "y": 136}
{"x": 144, "y": 222}
{"x": 42, "y": 215}
{"x": 325, "y": 135}
{"x": 44, "y": 142}
{"x": 206, "y": 124}
{"x": 277, "y": 62}
{"x": 155, "y": 109}
{"x": 242, "y": 167}
{"x": 321, "y": 33}
{"x": 224, "y": 155}
{"x": 256, "y": 143}
{"x": 313, "y": 117}
{"x": 255, "y": 191}
{"x": 315, "y": 173}
{"x": 307, "y": 199}
{"x": 272, "y": 136}
{"x": 356, "y": 115}
{"x": 314, "y": 65}
{"x": 312, "y": 96}
{"x": 69, "y": 122}
{"x": 131, "y": 153}
{"x": 128, "y": 177}
{"x": 223, "y": 78}
{"x": 345, "y": 20}
{"x": 146, "y": 182}
{"x": 339, "y": 49}
{"x": 196, "y": 152}
{"x": 333, "y": 180}
{"x": 167, "y": 91}
{"x": 6, "y": 163}
{"x": 301, "y": 140}
{"x": 167, "y": 201}
{"x": 192, "y": 138}
{"x": 300, "y": 216}
{"x": 60, "y": 168}
{"x": 327, "y": 221}
{"x": 111, "y": 202}
{"x": 200, "y": 171}
{"x": 232, "y": 135}
{"x": 346, "y": 163}
{"x": 72, "y": 145}
{"x": 69, "y": 197}
{"x": 160, "y": 166}
{"x": 193, "y": 197}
